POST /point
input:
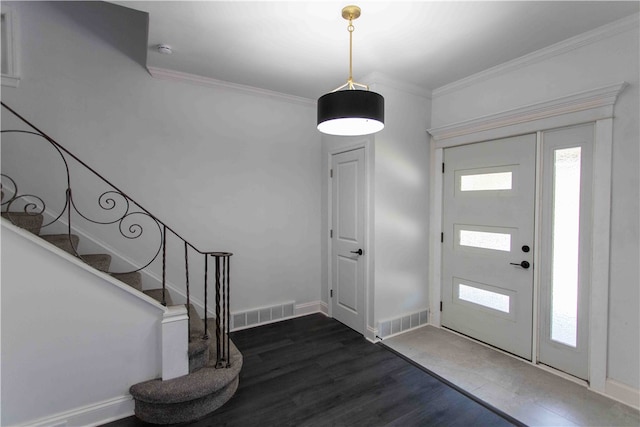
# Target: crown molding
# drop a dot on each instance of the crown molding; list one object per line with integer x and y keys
{"x": 562, "y": 47}
{"x": 165, "y": 74}
{"x": 383, "y": 79}
{"x": 582, "y": 101}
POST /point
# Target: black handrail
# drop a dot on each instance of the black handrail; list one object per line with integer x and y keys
{"x": 35, "y": 205}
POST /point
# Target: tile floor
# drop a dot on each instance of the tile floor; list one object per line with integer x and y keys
{"x": 526, "y": 392}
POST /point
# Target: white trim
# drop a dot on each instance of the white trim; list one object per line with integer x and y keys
{"x": 435, "y": 228}
{"x": 93, "y": 414}
{"x": 147, "y": 272}
{"x": 405, "y": 323}
{"x": 165, "y": 74}
{"x": 537, "y": 218}
{"x": 72, "y": 259}
{"x": 600, "y": 245}
{"x": 560, "y": 48}
{"x": 623, "y": 393}
{"x": 175, "y": 313}
{"x": 12, "y": 78}
{"x": 311, "y": 307}
{"x": 599, "y": 100}
{"x": 175, "y": 339}
{"x": 10, "y": 81}
{"x": 299, "y": 310}
{"x": 371, "y": 335}
{"x": 377, "y": 77}
{"x": 405, "y": 331}
{"x": 601, "y": 215}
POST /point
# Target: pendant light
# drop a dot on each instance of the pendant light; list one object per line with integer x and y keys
{"x": 352, "y": 109}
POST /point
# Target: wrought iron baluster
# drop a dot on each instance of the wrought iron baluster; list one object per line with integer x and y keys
{"x": 68, "y": 203}
{"x": 164, "y": 265}
{"x": 218, "y": 336}
{"x": 127, "y": 212}
{"x": 228, "y": 318}
{"x": 186, "y": 269}
{"x": 224, "y": 357}
{"x": 206, "y": 267}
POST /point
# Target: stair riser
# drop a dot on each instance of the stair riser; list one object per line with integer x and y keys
{"x": 100, "y": 262}
{"x": 32, "y": 223}
{"x": 198, "y": 360}
{"x": 158, "y": 413}
{"x": 132, "y": 279}
{"x": 63, "y": 241}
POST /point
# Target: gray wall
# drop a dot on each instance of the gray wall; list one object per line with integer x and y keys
{"x": 399, "y": 187}
{"x": 229, "y": 170}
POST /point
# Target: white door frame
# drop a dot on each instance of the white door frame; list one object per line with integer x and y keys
{"x": 366, "y": 144}
{"x": 595, "y": 106}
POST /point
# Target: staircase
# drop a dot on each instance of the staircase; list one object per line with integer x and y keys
{"x": 214, "y": 360}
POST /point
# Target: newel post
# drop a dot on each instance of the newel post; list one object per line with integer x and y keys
{"x": 175, "y": 342}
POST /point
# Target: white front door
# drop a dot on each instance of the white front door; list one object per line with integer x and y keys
{"x": 347, "y": 241}
{"x": 488, "y": 235}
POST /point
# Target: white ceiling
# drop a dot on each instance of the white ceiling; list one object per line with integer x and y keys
{"x": 301, "y": 48}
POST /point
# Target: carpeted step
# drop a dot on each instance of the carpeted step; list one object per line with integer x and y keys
{"x": 132, "y": 279}
{"x": 198, "y": 347}
{"x": 63, "y": 241}
{"x": 98, "y": 261}
{"x": 189, "y": 397}
{"x": 29, "y": 222}
{"x": 156, "y": 294}
{"x": 196, "y": 325}
{"x": 198, "y": 353}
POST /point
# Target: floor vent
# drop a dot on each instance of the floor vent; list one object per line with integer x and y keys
{"x": 262, "y": 315}
{"x": 387, "y": 328}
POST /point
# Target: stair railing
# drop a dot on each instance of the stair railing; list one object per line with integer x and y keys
{"x": 34, "y": 205}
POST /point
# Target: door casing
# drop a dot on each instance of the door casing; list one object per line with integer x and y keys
{"x": 597, "y": 106}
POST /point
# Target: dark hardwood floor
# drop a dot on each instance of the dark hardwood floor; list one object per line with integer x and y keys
{"x": 314, "y": 371}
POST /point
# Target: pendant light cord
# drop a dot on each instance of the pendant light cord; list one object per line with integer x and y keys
{"x": 350, "y": 28}
{"x": 350, "y": 84}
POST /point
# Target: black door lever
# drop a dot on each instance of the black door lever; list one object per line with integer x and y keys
{"x": 523, "y": 264}
{"x": 359, "y": 252}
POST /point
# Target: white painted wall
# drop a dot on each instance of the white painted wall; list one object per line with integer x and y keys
{"x": 401, "y": 203}
{"x": 230, "y": 170}
{"x": 399, "y": 183}
{"x": 610, "y": 58}
{"x": 70, "y": 339}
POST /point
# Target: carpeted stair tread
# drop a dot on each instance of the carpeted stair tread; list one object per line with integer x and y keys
{"x": 199, "y": 384}
{"x": 98, "y": 261}
{"x": 29, "y": 222}
{"x": 132, "y": 279}
{"x": 63, "y": 241}
{"x": 156, "y": 294}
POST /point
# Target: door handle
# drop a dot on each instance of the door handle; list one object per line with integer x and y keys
{"x": 359, "y": 252}
{"x": 523, "y": 264}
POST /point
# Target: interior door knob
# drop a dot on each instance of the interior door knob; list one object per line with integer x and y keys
{"x": 523, "y": 264}
{"x": 359, "y": 252}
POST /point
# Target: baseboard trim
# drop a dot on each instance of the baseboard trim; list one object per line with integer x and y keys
{"x": 276, "y": 313}
{"x": 622, "y": 393}
{"x": 89, "y": 415}
{"x": 407, "y": 322}
{"x": 312, "y": 307}
{"x": 371, "y": 334}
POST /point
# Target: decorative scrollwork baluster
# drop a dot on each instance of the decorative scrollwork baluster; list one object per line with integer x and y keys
{"x": 115, "y": 208}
